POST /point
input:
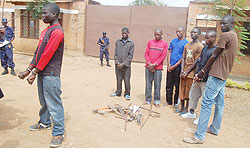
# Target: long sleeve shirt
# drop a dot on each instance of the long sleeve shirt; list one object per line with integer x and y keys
{"x": 156, "y": 52}
{"x": 124, "y": 52}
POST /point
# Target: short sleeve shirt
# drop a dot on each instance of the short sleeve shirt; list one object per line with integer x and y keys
{"x": 103, "y": 40}
{"x": 177, "y": 47}
{"x": 9, "y": 33}
{"x": 191, "y": 53}
{"x": 223, "y": 64}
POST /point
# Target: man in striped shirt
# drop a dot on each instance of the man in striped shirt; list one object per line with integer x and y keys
{"x": 155, "y": 54}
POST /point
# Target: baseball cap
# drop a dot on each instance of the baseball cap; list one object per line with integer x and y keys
{"x": 104, "y": 33}
{"x": 4, "y": 20}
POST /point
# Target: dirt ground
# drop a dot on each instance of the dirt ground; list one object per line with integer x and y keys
{"x": 87, "y": 86}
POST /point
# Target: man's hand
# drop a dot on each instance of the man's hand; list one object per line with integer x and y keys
{"x": 151, "y": 66}
{"x": 200, "y": 74}
{"x": 196, "y": 79}
{"x": 172, "y": 68}
{"x": 31, "y": 78}
{"x": 120, "y": 66}
{"x": 23, "y": 74}
{"x": 169, "y": 68}
{"x": 183, "y": 75}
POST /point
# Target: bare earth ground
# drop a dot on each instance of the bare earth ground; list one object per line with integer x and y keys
{"x": 87, "y": 86}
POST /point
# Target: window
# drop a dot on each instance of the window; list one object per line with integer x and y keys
{"x": 29, "y": 26}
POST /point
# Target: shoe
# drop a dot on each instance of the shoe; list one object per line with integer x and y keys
{"x": 5, "y": 72}
{"x": 127, "y": 97}
{"x": 13, "y": 73}
{"x": 183, "y": 112}
{"x": 188, "y": 115}
{"x": 57, "y": 142}
{"x": 176, "y": 106}
{"x": 196, "y": 121}
{"x": 157, "y": 105}
{"x": 146, "y": 103}
{"x": 108, "y": 64}
{"x": 165, "y": 104}
{"x": 193, "y": 140}
{"x": 39, "y": 126}
{"x": 114, "y": 95}
{"x": 209, "y": 131}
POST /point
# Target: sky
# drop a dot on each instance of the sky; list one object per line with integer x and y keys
{"x": 175, "y": 3}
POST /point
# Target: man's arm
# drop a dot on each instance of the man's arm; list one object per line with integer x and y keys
{"x": 130, "y": 55}
{"x": 116, "y": 53}
{"x": 210, "y": 61}
{"x": 146, "y": 54}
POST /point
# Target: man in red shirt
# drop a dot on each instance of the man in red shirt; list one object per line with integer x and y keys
{"x": 46, "y": 64}
{"x": 155, "y": 54}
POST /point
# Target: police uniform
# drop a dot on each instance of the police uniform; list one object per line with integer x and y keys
{"x": 7, "y": 52}
{"x": 103, "y": 50}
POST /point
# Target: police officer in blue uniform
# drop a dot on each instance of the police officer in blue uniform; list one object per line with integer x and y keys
{"x": 6, "y": 53}
{"x": 104, "y": 48}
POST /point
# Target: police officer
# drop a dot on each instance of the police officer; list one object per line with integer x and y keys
{"x": 7, "y": 53}
{"x": 104, "y": 48}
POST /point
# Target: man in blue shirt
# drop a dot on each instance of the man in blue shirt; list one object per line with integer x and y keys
{"x": 176, "y": 48}
{"x": 104, "y": 48}
{"x": 7, "y": 54}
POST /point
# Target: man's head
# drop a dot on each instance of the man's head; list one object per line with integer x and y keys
{"x": 125, "y": 33}
{"x": 158, "y": 34}
{"x": 104, "y": 34}
{"x": 50, "y": 12}
{"x": 4, "y": 22}
{"x": 180, "y": 32}
{"x": 227, "y": 23}
{"x": 195, "y": 32}
{"x": 210, "y": 38}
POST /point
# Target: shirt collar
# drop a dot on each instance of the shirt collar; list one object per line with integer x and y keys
{"x": 128, "y": 40}
{"x": 53, "y": 25}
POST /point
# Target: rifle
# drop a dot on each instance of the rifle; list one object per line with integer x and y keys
{"x": 105, "y": 46}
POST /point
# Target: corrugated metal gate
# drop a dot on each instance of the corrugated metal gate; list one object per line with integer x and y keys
{"x": 141, "y": 21}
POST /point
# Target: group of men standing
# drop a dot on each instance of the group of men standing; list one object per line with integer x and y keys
{"x": 187, "y": 70}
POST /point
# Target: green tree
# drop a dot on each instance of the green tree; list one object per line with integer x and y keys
{"x": 148, "y": 3}
{"x": 36, "y": 7}
{"x": 236, "y": 8}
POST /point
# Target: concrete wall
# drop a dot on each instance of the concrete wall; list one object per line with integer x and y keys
{"x": 141, "y": 21}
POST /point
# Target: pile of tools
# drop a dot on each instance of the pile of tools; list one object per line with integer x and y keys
{"x": 129, "y": 113}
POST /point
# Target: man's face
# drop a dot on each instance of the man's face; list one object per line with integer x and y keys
{"x": 104, "y": 34}
{"x": 4, "y": 23}
{"x": 158, "y": 35}
{"x": 124, "y": 34}
{"x": 47, "y": 16}
{"x": 225, "y": 25}
{"x": 179, "y": 33}
{"x": 194, "y": 33}
{"x": 209, "y": 39}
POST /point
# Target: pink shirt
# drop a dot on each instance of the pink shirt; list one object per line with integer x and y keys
{"x": 156, "y": 52}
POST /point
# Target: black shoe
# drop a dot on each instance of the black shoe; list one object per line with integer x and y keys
{"x": 13, "y": 73}
{"x": 5, "y": 72}
{"x": 108, "y": 64}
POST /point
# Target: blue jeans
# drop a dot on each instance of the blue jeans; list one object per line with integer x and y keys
{"x": 213, "y": 94}
{"x": 156, "y": 77}
{"x": 49, "y": 91}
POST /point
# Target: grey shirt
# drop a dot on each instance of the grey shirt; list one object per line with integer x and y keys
{"x": 124, "y": 51}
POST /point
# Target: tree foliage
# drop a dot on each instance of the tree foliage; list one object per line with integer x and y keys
{"x": 36, "y": 7}
{"x": 148, "y": 3}
{"x": 236, "y": 8}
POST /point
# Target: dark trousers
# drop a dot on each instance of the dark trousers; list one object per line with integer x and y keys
{"x": 106, "y": 55}
{"x": 173, "y": 79}
{"x": 6, "y": 57}
{"x": 125, "y": 75}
